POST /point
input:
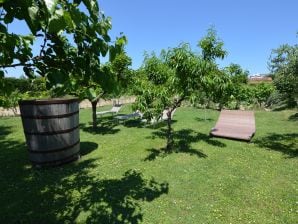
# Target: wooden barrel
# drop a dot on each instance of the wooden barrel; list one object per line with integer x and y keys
{"x": 51, "y": 129}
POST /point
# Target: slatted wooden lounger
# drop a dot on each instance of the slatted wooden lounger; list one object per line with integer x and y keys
{"x": 235, "y": 124}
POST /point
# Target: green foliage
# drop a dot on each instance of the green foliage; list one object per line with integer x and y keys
{"x": 218, "y": 87}
{"x": 179, "y": 74}
{"x": 17, "y": 89}
{"x": 284, "y": 66}
{"x": 212, "y": 46}
{"x": 11, "y": 100}
{"x": 239, "y": 89}
{"x": 55, "y": 22}
{"x": 70, "y": 67}
{"x": 152, "y": 87}
{"x": 237, "y": 74}
{"x": 262, "y": 92}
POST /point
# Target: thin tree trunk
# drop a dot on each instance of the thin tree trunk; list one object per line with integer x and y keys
{"x": 94, "y": 104}
{"x": 170, "y": 140}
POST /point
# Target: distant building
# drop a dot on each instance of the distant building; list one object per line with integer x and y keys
{"x": 259, "y": 78}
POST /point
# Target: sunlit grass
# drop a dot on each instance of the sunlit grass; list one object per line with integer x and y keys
{"x": 123, "y": 175}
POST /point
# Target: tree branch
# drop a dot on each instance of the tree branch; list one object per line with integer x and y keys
{"x": 45, "y": 39}
{"x": 15, "y": 65}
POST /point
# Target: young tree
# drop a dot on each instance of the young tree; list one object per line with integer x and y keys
{"x": 239, "y": 79}
{"x": 101, "y": 82}
{"x": 284, "y": 66}
{"x": 164, "y": 82}
{"x": 217, "y": 85}
{"x": 212, "y": 46}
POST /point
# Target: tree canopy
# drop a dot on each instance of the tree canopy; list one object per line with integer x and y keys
{"x": 284, "y": 66}
{"x": 179, "y": 74}
{"x": 73, "y": 40}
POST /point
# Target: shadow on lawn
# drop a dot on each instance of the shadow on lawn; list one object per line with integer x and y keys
{"x": 4, "y": 130}
{"x": 87, "y": 147}
{"x": 70, "y": 193}
{"x": 182, "y": 143}
{"x": 199, "y": 119}
{"x": 107, "y": 128}
{"x": 293, "y": 117}
{"x": 285, "y": 143}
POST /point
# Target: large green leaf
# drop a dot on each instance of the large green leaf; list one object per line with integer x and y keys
{"x": 57, "y": 22}
{"x": 51, "y": 5}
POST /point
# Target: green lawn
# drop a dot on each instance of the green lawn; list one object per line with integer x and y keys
{"x": 123, "y": 175}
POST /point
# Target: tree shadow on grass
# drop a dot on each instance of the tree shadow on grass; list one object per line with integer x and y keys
{"x": 103, "y": 129}
{"x": 133, "y": 123}
{"x": 293, "y": 117}
{"x": 87, "y": 147}
{"x": 199, "y": 119}
{"x": 285, "y": 143}
{"x": 70, "y": 193}
{"x": 182, "y": 143}
{"x": 4, "y": 130}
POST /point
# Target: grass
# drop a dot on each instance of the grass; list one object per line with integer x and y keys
{"x": 124, "y": 176}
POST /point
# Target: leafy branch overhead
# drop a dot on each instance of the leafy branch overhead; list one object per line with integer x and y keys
{"x": 73, "y": 40}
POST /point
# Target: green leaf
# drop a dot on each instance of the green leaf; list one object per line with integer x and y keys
{"x": 91, "y": 93}
{"x": 57, "y": 23}
{"x": 3, "y": 28}
{"x": 93, "y": 8}
{"x": 8, "y": 18}
{"x": 51, "y": 5}
{"x": 33, "y": 13}
{"x": 68, "y": 20}
{"x": 28, "y": 72}
{"x": 1, "y": 74}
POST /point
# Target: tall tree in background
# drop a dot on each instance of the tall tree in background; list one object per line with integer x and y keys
{"x": 218, "y": 84}
{"x": 284, "y": 66}
{"x": 239, "y": 79}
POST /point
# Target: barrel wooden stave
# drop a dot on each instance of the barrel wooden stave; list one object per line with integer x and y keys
{"x": 50, "y": 125}
{"x": 42, "y": 143}
{"x": 48, "y": 110}
{"x": 55, "y": 157}
{"x": 51, "y": 130}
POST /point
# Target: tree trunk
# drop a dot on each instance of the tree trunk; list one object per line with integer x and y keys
{"x": 94, "y": 104}
{"x": 170, "y": 139}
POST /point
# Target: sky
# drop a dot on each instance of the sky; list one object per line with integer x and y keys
{"x": 250, "y": 29}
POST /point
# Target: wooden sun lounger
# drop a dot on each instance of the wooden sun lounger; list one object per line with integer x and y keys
{"x": 126, "y": 117}
{"x": 115, "y": 109}
{"x": 235, "y": 124}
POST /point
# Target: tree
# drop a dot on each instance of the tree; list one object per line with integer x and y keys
{"x": 212, "y": 46}
{"x": 101, "y": 82}
{"x": 164, "y": 82}
{"x": 63, "y": 63}
{"x": 217, "y": 84}
{"x": 239, "y": 79}
{"x": 284, "y": 66}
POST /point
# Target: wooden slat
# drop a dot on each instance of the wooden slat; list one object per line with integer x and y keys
{"x": 235, "y": 124}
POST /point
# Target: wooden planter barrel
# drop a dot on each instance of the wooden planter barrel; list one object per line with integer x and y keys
{"x": 51, "y": 130}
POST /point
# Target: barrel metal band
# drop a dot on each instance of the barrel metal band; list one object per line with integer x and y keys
{"x": 52, "y": 132}
{"x": 55, "y": 150}
{"x": 48, "y": 116}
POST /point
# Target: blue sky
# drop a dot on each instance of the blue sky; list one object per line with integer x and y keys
{"x": 250, "y": 29}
